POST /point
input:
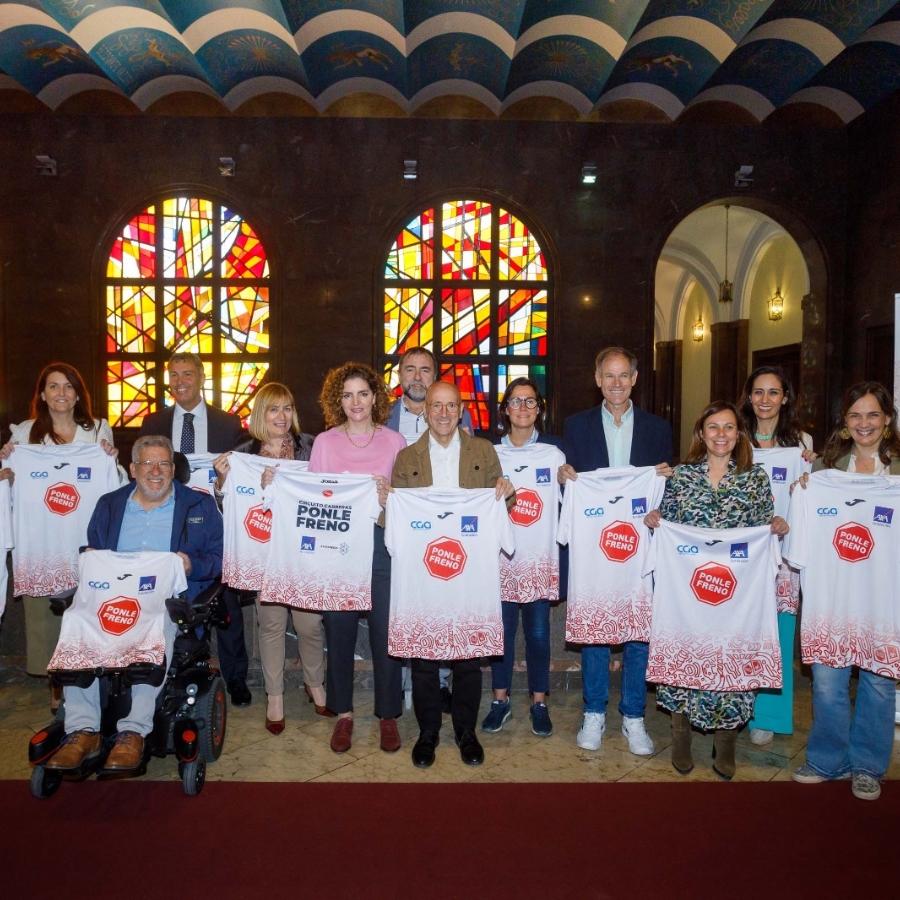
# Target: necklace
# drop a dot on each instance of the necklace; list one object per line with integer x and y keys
{"x": 763, "y": 437}
{"x": 359, "y": 446}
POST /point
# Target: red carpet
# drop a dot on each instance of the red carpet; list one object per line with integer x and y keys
{"x": 302, "y": 841}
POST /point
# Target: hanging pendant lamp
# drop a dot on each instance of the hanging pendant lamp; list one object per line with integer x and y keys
{"x": 726, "y": 294}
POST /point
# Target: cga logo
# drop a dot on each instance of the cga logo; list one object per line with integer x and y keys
{"x": 779, "y": 475}
{"x": 687, "y": 548}
{"x": 470, "y": 524}
{"x": 307, "y": 543}
{"x": 593, "y": 512}
{"x": 542, "y": 476}
{"x": 99, "y": 585}
{"x": 739, "y": 551}
{"x": 639, "y": 506}
{"x": 420, "y": 526}
{"x": 146, "y": 584}
{"x": 243, "y": 489}
{"x": 826, "y": 511}
{"x": 40, "y": 474}
{"x": 83, "y": 473}
{"x": 883, "y": 515}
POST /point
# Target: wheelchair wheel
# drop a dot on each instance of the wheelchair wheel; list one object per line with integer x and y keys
{"x": 44, "y": 783}
{"x": 213, "y": 709}
{"x": 193, "y": 776}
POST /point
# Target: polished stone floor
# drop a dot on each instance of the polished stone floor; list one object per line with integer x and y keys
{"x": 302, "y": 752}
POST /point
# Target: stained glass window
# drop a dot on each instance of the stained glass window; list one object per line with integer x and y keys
{"x": 484, "y": 302}
{"x": 190, "y": 275}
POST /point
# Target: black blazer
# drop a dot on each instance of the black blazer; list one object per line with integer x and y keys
{"x": 585, "y": 441}
{"x": 223, "y": 430}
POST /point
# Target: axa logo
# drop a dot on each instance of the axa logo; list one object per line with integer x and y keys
{"x": 739, "y": 551}
{"x": 639, "y": 506}
{"x": 83, "y": 473}
{"x": 779, "y": 475}
{"x": 826, "y": 511}
{"x": 147, "y": 584}
{"x": 99, "y": 585}
{"x": 854, "y": 502}
{"x": 884, "y": 515}
{"x": 469, "y": 525}
{"x": 40, "y": 474}
{"x": 444, "y": 515}
{"x": 418, "y": 525}
{"x": 542, "y": 476}
{"x": 210, "y": 476}
{"x": 307, "y": 544}
{"x": 593, "y": 512}
{"x": 684, "y": 549}
{"x": 244, "y": 489}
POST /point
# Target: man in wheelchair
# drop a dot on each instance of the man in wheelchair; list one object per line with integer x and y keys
{"x": 154, "y": 513}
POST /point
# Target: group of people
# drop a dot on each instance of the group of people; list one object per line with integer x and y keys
{"x": 424, "y": 439}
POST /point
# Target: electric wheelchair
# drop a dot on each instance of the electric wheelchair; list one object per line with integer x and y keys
{"x": 190, "y": 717}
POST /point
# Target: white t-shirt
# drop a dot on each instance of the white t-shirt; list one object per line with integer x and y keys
{"x": 203, "y": 475}
{"x": 6, "y": 538}
{"x": 602, "y": 521}
{"x": 847, "y": 547}
{"x": 322, "y": 541}
{"x": 247, "y": 525}
{"x": 445, "y": 575}
{"x": 715, "y": 626}
{"x": 784, "y": 465}
{"x": 533, "y": 572}
{"x": 57, "y": 487}
{"x": 118, "y": 615}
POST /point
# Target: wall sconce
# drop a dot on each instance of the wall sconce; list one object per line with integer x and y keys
{"x": 410, "y": 169}
{"x": 776, "y": 306}
{"x": 226, "y": 167}
{"x": 698, "y": 330}
{"x": 45, "y": 165}
{"x": 588, "y": 173}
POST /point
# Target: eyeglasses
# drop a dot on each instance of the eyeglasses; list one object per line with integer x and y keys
{"x": 450, "y": 407}
{"x": 149, "y": 466}
{"x": 527, "y": 402}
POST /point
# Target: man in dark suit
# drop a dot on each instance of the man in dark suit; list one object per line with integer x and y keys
{"x": 615, "y": 433}
{"x": 194, "y": 426}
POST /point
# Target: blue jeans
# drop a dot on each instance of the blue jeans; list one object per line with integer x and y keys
{"x": 838, "y": 743}
{"x": 536, "y": 628}
{"x": 595, "y": 678}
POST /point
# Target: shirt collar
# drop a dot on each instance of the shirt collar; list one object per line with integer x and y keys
{"x": 198, "y": 412}
{"x": 608, "y": 417}
{"x": 170, "y": 500}
{"x": 434, "y": 445}
{"x": 506, "y": 441}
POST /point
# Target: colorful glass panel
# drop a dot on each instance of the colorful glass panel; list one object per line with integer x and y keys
{"x": 187, "y": 237}
{"x": 188, "y": 325}
{"x": 474, "y": 383}
{"x": 507, "y": 373}
{"x": 466, "y": 321}
{"x": 245, "y": 320}
{"x": 130, "y": 392}
{"x": 134, "y": 252}
{"x": 519, "y": 255}
{"x": 522, "y": 323}
{"x": 130, "y": 319}
{"x": 408, "y": 319}
{"x": 243, "y": 255}
{"x": 412, "y": 255}
{"x": 239, "y": 382}
{"x": 466, "y": 240}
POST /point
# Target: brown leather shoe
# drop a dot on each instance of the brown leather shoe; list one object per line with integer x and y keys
{"x": 74, "y": 750}
{"x": 340, "y": 737}
{"x": 390, "y": 737}
{"x": 126, "y": 752}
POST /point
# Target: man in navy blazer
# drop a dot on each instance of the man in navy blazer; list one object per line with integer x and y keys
{"x": 212, "y": 431}
{"x": 615, "y": 433}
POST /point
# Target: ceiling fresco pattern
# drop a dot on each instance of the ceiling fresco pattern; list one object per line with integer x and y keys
{"x": 584, "y": 56}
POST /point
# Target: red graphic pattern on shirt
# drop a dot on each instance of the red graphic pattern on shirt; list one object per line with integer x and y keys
{"x": 422, "y": 634}
{"x": 714, "y": 662}
{"x": 84, "y": 655}
{"x": 41, "y": 576}
{"x": 842, "y": 641}
{"x": 611, "y": 617}
{"x": 533, "y": 579}
{"x": 348, "y": 591}
{"x": 243, "y": 573}
{"x": 787, "y": 589}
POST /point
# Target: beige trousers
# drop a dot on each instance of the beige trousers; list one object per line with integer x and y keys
{"x": 272, "y": 620}
{"x": 41, "y": 633}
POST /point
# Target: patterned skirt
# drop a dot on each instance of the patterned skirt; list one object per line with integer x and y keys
{"x": 708, "y": 710}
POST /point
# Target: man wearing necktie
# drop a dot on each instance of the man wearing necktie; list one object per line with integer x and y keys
{"x": 194, "y": 426}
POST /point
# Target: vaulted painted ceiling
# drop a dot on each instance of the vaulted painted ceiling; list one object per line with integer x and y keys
{"x": 822, "y": 61}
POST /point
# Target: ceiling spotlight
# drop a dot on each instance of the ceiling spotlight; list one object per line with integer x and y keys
{"x": 226, "y": 167}
{"x": 410, "y": 169}
{"x": 588, "y": 173}
{"x": 45, "y": 165}
{"x": 742, "y": 177}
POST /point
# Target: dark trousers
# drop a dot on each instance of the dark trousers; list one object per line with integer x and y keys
{"x": 426, "y": 692}
{"x": 233, "y": 660}
{"x": 340, "y": 639}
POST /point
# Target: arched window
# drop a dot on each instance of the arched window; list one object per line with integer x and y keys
{"x": 468, "y": 280}
{"x": 189, "y": 275}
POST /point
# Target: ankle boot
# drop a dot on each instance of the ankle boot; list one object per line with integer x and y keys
{"x": 681, "y": 744}
{"x": 724, "y": 741}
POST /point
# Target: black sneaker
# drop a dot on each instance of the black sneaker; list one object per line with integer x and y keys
{"x": 540, "y": 720}
{"x": 446, "y": 701}
{"x": 497, "y": 715}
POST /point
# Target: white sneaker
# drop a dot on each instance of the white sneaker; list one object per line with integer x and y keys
{"x": 592, "y": 729}
{"x": 639, "y": 742}
{"x": 759, "y": 737}
{"x": 897, "y": 708}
